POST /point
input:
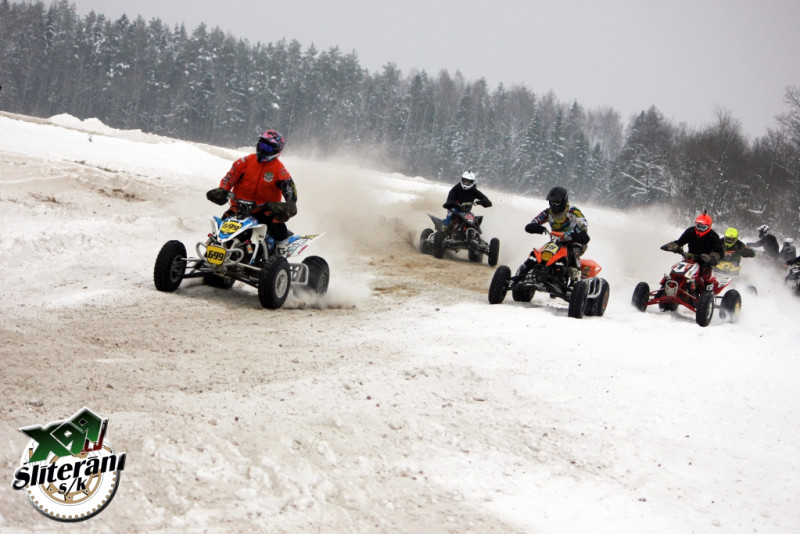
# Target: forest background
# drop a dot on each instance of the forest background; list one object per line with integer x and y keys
{"x": 209, "y": 86}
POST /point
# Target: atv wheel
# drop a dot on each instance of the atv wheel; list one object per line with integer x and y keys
{"x": 170, "y": 266}
{"x": 522, "y": 293}
{"x": 475, "y": 255}
{"x": 494, "y": 251}
{"x": 577, "y": 301}
{"x": 438, "y": 244}
{"x": 705, "y": 308}
{"x": 499, "y": 286}
{"x": 319, "y": 274}
{"x": 596, "y": 307}
{"x": 641, "y": 294}
{"x": 221, "y": 282}
{"x": 730, "y": 306}
{"x": 274, "y": 283}
{"x": 424, "y": 246}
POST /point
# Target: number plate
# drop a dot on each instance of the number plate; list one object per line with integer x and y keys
{"x": 229, "y": 227}
{"x": 215, "y": 255}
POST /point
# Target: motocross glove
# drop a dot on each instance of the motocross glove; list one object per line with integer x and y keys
{"x": 534, "y": 228}
{"x": 451, "y": 205}
{"x": 705, "y": 258}
{"x": 580, "y": 237}
{"x": 672, "y": 246}
{"x": 218, "y": 196}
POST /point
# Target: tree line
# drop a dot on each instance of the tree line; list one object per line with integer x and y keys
{"x": 209, "y": 86}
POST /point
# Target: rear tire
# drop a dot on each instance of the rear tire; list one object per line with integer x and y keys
{"x": 274, "y": 283}
{"x": 577, "y": 301}
{"x": 668, "y": 306}
{"x": 705, "y": 308}
{"x": 730, "y": 306}
{"x": 596, "y": 307}
{"x": 170, "y": 266}
{"x": 494, "y": 251}
{"x": 499, "y": 286}
{"x": 424, "y": 246}
{"x": 641, "y": 294}
{"x": 319, "y": 274}
{"x": 522, "y": 293}
{"x": 438, "y": 244}
{"x": 475, "y": 255}
{"x": 220, "y": 282}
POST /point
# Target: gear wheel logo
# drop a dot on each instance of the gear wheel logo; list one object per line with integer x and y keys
{"x": 70, "y": 472}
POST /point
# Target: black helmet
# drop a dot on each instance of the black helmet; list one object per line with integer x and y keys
{"x": 558, "y": 199}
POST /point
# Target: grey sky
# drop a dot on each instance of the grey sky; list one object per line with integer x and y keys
{"x": 686, "y": 57}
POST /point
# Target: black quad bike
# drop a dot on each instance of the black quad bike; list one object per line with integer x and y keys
{"x": 465, "y": 233}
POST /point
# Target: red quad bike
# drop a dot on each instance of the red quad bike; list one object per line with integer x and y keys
{"x": 681, "y": 287}
{"x": 588, "y": 296}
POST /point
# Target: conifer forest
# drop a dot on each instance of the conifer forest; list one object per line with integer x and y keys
{"x": 208, "y": 86}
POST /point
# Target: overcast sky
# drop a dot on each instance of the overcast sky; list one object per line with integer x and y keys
{"x": 686, "y": 57}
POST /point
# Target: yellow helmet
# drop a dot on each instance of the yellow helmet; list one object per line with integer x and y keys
{"x": 731, "y": 235}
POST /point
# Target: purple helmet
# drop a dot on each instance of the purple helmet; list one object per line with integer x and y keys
{"x": 269, "y": 145}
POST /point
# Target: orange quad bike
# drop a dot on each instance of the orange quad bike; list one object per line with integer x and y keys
{"x": 549, "y": 274}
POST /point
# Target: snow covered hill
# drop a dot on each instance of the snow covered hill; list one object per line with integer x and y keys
{"x": 402, "y": 401}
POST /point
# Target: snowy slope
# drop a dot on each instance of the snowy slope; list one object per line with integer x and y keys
{"x": 403, "y": 401}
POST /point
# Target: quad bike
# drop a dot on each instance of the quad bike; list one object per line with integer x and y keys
{"x": 792, "y": 279}
{"x": 684, "y": 286}
{"x": 466, "y": 233}
{"x": 550, "y": 274}
{"x": 240, "y": 249}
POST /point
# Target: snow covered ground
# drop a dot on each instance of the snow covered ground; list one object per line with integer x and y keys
{"x": 402, "y": 401}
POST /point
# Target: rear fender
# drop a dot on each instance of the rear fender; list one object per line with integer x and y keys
{"x": 589, "y": 268}
{"x": 298, "y": 243}
{"x": 437, "y": 222}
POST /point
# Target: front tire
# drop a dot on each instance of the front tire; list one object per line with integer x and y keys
{"x": 577, "y": 301}
{"x": 319, "y": 274}
{"x": 170, "y": 266}
{"x": 499, "y": 286}
{"x": 494, "y": 251}
{"x": 641, "y": 294}
{"x": 274, "y": 283}
{"x": 705, "y": 308}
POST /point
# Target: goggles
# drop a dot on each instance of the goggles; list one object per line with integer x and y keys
{"x": 265, "y": 148}
{"x": 467, "y": 182}
{"x": 702, "y": 227}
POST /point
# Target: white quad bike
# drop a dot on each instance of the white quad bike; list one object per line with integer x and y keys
{"x": 240, "y": 249}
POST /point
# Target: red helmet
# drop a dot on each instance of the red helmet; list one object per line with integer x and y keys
{"x": 702, "y": 224}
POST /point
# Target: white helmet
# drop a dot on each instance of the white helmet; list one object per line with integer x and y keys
{"x": 468, "y": 180}
{"x": 763, "y": 230}
{"x": 788, "y": 241}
